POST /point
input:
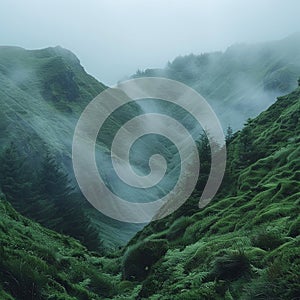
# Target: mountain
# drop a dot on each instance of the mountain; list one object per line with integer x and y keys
{"x": 240, "y": 82}
{"x": 243, "y": 245}
{"x": 42, "y": 95}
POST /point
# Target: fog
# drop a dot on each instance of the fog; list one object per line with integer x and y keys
{"x": 115, "y": 38}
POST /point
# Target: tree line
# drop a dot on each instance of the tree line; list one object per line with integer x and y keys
{"x": 46, "y": 195}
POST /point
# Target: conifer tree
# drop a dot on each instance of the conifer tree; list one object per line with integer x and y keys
{"x": 229, "y": 134}
{"x": 61, "y": 207}
{"x": 205, "y": 162}
{"x": 13, "y": 178}
{"x": 53, "y": 181}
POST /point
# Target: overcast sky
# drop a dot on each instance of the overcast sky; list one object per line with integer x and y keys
{"x": 114, "y": 38}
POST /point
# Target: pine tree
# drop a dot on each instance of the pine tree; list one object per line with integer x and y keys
{"x": 205, "y": 162}
{"x": 13, "y": 178}
{"x": 46, "y": 196}
{"x": 53, "y": 181}
{"x": 229, "y": 135}
{"x": 61, "y": 207}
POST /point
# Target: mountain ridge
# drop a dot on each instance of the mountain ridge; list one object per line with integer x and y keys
{"x": 243, "y": 245}
{"x": 241, "y": 81}
{"x": 42, "y": 95}
{"x": 229, "y": 249}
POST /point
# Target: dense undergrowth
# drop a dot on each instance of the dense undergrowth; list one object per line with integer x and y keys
{"x": 36, "y": 263}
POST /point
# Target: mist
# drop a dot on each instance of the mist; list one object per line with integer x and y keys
{"x": 240, "y": 82}
{"x": 115, "y": 38}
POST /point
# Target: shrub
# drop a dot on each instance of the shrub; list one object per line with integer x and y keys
{"x": 267, "y": 240}
{"x": 294, "y": 230}
{"x": 198, "y": 258}
{"x": 139, "y": 258}
{"x": 178, "y": 228}
{"x": 25, "y": 279}
{"x": 279, "y": 281}
{"x": 207, "y": 291}
{"x": 256, "y": 256}
{"x": 111, "y": 266}
{"x": 231, "y": 266}
{"x": 125, "y": 286}
{"x": 96, "y": 281}
{"x": 4, "y": 295}
{"x": 150, "y": 286}
{"x": 101, "y": 284}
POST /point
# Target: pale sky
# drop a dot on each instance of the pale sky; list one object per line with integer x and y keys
{"x": 114, "y": 38}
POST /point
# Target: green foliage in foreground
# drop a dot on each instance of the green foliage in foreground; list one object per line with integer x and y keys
{"x": 243, "y": 245}
{"x": 140, "y": 257}
{"x": 36, "y": 263}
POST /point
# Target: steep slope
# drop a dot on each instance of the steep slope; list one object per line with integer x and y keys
{"x": 240, "y": 82}
{"x": 243, "y": 245}
{"x": 37, "y": 263}
{"x": 43, "y": 92}
{"x": 42, "y": 95}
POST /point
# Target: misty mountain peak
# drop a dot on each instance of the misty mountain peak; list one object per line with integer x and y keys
{"x": 64, "y": 53}
{"x": 54, "y": 74}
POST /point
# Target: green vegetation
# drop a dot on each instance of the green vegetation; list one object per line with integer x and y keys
{"x": 243, "y": 245}
{"x": 37, "y": 263}
{"x": 42, "y": 95}
{"x": 45, "y": 195}
{"x": 140, "y": 257}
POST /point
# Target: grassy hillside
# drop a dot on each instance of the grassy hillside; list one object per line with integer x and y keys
{"x": 244, "y": 245}
{"x": 36, "y": 263}
{"x": 42, "y": 95}
{"x": 43, "y": 92}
